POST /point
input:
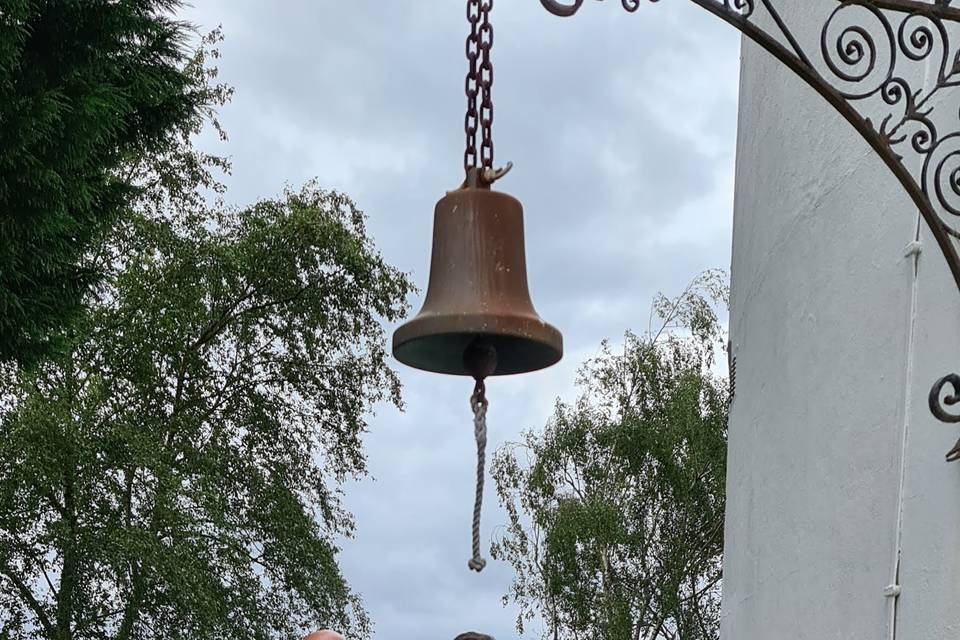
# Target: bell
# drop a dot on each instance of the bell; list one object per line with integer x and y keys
{"x": 477, "y": 318}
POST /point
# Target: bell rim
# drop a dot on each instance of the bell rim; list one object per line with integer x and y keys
{"x": 524, "y": 328}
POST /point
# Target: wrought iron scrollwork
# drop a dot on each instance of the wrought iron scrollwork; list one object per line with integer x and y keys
{"x": 866, "y": 62}
{"x": 937, "y": 401}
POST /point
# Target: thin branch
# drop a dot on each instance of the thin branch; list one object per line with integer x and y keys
{"x": 30, "y": 599}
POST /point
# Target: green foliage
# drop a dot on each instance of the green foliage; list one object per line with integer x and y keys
{"x": 91, "y": 92}
{"x": 175, "y": 473}
{"x": 616, "y": 509}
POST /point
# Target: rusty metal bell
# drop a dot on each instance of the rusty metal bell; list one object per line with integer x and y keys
{"x": 477, "y": 318}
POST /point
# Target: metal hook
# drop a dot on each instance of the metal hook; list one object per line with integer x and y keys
{"x": 492, "y": 175}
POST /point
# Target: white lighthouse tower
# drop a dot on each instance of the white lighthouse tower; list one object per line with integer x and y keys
{"x": 843, "y": 518}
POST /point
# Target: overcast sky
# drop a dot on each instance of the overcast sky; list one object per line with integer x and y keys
{"x": 621, "y": 128}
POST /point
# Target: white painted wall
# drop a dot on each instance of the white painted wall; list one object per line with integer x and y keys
{"x": 836, "y": 467}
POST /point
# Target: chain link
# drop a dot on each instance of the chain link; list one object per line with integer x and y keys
{"x": 472, "y": 84}
{"x": 479, "y": 84}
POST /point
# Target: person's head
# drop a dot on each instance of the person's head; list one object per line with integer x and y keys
{"x": 325, "y": 634}
{"x": 473, "y": 636}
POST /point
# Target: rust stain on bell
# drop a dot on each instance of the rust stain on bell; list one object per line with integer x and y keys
{"x": 478, "y": 292}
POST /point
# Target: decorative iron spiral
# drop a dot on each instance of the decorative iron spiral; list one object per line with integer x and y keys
{"x": 938, "y": 405}
{"x": 941, "y": 176}
{"x": 852, "y": 52}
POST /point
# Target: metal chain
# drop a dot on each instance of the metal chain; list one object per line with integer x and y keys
{"x": 486, "y": 85}
{"x": 472, "y": 84}
{"x": 479, "y": 84}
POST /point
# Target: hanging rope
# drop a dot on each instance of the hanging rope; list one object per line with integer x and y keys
{"x": 478, "y": 402}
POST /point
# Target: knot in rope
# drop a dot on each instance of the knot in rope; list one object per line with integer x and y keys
{"x": 478, "y": 402}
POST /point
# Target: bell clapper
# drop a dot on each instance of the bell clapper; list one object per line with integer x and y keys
{"x": 480, "y": 361}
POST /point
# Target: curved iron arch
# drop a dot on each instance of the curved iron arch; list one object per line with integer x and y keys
{"x": 859, "y": 63}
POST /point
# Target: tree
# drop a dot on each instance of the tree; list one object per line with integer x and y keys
{"x": 616, "y": 509}
{"x": 90, "y": 92}
{"x": 175, "y": 472}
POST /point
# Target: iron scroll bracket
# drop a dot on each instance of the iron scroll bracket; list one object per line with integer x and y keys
{"x": 861, "y": 65}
